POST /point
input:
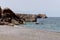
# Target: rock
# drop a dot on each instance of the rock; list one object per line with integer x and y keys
{"x": 4, "y": 23}
{"x": 1, "y": 23}
{"x": 11, "y": 24}
{"x": 37, "y": 23}
{"x": 8, "y": 14}
{"x": 41, "y": 16}
{"x": 8, "y": 17}
{"x": 0, "y": 11}
{"x": 15, "y": 22}
{"x": 28, "y": 17}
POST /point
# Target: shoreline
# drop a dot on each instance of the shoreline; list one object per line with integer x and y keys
{"x": 22, "y": 33}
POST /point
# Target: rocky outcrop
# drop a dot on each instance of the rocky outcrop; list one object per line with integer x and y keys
{"x": 28, "y": 17}
{"x": 8, "y": 16}
{"x": 41, "y": 16}
{"x": 31, "y": 17}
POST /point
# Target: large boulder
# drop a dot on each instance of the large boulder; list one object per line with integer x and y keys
{"x": 8, "y": 15}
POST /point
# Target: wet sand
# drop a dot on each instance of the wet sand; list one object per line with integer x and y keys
{"x": 21, "y": 33}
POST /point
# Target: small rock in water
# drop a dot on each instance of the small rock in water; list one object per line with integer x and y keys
{"x": 37, "y": 23}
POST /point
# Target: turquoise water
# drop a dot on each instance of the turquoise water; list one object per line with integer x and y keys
{"x": 49, "y": 24}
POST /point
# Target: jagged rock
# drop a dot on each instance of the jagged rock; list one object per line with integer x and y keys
{"x": 8, "y": 15}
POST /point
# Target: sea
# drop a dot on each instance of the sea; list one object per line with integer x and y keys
{"x": 48, "y": 24}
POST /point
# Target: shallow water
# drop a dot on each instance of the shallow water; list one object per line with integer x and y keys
{"x": 49, "y": 24}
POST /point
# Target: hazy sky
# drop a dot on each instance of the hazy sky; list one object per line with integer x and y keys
{"x": 49, "y": 7}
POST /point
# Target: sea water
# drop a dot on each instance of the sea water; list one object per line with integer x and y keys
{"x": 49, "y": 24}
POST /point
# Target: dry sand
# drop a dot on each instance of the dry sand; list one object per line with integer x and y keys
{"x": 21, "y": 33}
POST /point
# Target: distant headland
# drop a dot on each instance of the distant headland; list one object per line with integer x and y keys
{"x": 8, "y": 17}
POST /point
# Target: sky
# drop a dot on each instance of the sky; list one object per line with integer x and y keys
{"x": 49, "y": 7}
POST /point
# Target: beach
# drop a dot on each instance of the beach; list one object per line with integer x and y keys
{"x": 22, "y": 33}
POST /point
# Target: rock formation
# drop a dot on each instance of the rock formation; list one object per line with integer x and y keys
{"x": 41, "y": 16}
{"x": 28, "y": 17}
{"x": 8, "y": 16}
{"x": 31, "y": 17}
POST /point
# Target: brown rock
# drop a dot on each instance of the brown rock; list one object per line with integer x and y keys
{"x": 15, "y": 22}
{"x": 0, "y": 11}
{"x": 28, "y": 17}
{"x": 41, "y": 16}
{"x": 8, "y": 14}
{"x": 11, "y": 24}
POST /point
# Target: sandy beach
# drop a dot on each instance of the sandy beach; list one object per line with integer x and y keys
{"x": 21, "y": 33}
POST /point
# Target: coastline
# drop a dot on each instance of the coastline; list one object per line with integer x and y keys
{"x": 22, "y": 33}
